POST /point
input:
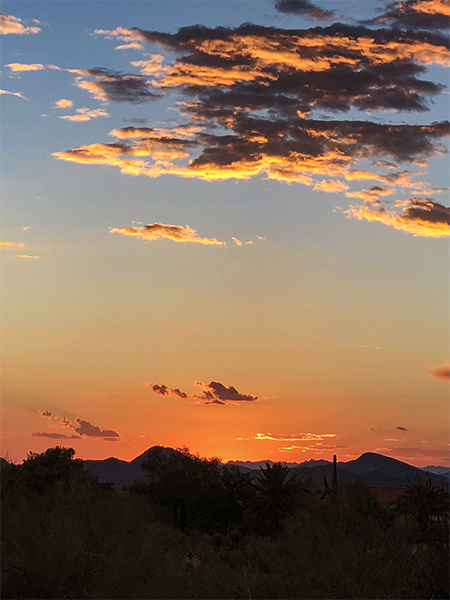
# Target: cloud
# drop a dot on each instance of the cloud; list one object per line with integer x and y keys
{"x": 216, "y": 391}
{"x": 80, "y": 427}
{"x": 213, "y": 393}
{"x": 402, "y": 428}
{"x": 421, "y": 14}
{"x": 300, "y": 437}
{"x": 112, "y": 86}
{"x": 14, "y": 25}
{"x": 303, "y": 8}
{"x": 441, "y": 372}
{"x": 132, "y": 46}
{"x": 19, "y": 67}
{"x": 259, "y": 101}
{"x": 47, "y": 414}
{"x": 15, "y": 244}
{"x": 314, "y": 447}
{"x": 86, "y": 114}
{"x": 176, "y": 233}
{"x": 18, "y": 94}
{"x": 27, "y": 256}
{"x": 56, "y": 436}
{"x": 63, "y": 103}
{"x": 86, "y": 428}
{"x": 419, "y": 216}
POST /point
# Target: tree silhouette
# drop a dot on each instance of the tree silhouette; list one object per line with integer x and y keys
{"x": 277, "y": 494}
{"x": 423, "y": 501}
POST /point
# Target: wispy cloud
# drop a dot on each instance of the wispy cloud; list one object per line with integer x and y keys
{"x": 299, "y": 437}
{"x": 30, "y": 256}
{"x": 12, "y": 244}
{"x": 85, "y": 114}
{"x": 214, "y": 393}
{"x": 113, "y": 86}
{"x": 18, "y": 94}
{"x": 418, "y": 216}
{"x": 441, "y": 371}
{"x": 14, "y": 25}
{"x": 19, "y": 67}
{"x": 176, "y": 233}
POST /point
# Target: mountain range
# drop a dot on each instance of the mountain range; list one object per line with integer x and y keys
{"x": 374, "y": 469}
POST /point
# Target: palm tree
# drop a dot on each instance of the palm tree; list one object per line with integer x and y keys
{"x": 277, "y": 494}
{"x": 423, "y": 501}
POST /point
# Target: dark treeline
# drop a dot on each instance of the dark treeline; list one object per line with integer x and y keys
{"x": 197, "y": 529}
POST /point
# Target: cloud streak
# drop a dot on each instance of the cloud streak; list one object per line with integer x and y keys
{"x": 176, "y": 233}
{"x": 418, "y": 216}
{"x": 441, "y": 371}
{"x": 85, "y": 114}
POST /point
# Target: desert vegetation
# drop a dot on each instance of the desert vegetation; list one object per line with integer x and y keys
{"x": 195, "y": 529}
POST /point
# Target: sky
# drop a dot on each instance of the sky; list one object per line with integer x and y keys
{"x": 225, "y": 226}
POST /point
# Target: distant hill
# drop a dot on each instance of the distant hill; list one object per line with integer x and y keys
{"x": 445, "y": 471}
{"x": 374, "y": 469}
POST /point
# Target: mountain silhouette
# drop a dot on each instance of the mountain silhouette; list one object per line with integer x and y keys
{"x": 373, "y": 469}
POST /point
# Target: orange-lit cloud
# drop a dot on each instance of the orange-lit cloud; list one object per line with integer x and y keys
{"x": 18, "y": 94}
{"x": 423, "y": 14}
{"x": 16, "y": 244}
{"x": 18, "y": 67}
{"x": 441, "y": 371}
{"x": 214, "y": 393}
{"x": 27, "y": 256}
{"x": 300, "y": 437}
{"x": 176, "y": 233}
{"x": 63, "y": 103}
{"x": 419, "y": 216}
{"x": 14, "y": 25}
{"x": 86, "y": 114}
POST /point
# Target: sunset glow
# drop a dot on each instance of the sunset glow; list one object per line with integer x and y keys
{"x": 279, "y": 180}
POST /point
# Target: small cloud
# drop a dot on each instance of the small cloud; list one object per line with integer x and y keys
{"x": 26, "y": 228}
{"x": 14, "y": 25}
{"x": 85, "y": 114}
{"x": 63, "y": 103}
{"x": 86, "y": 428}
{"x": 303, "y": 8}
{"x": 19, "y": 67}
{"x": 17, "y": 245}
{"x": 27, "y": 256}
{"x": 441, "y": 372}
{"x": 47, "y": 414}
{"x": 402, "y": 428}
{"x": 131, "y": 46}
{"x": 18, "y": 94}
{"x": 176, "y": 233}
